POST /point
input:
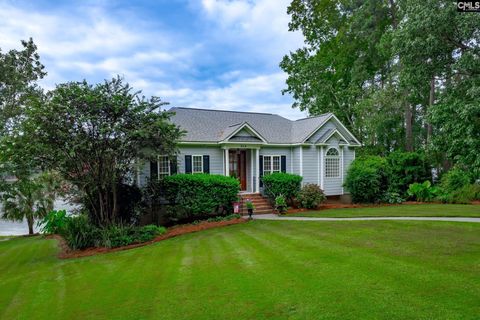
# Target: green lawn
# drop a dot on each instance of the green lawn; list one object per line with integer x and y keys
{"x": 412, "y": 210}
{"x": 258, "y": 270}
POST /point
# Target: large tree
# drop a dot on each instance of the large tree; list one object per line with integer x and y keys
{"x": 19, "y": 72}
{"x": 94, "y": 134}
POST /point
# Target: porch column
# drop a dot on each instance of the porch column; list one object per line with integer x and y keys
{"x": 227, "y": 162}
{"x": 341, "y": 165}
{"x": 252, "y": 173}
{"x": 322, "y": 170}
{"x": 257, "y": 170}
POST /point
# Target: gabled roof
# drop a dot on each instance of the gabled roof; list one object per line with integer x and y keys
{"x": 220, "y": 126}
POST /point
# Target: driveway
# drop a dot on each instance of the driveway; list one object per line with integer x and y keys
{"x": 287, "y": 218}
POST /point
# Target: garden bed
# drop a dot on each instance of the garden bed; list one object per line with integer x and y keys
{"x": 67, "y": 253}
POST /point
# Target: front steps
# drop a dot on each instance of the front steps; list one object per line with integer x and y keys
{"x": 261, "y": 204}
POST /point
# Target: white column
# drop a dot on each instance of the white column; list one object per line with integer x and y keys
{"x": 252, "y": 173}
{"x": 257, "y": 171}
{"x": 227, "y": 163}
{"x": 341, "y": 165}
{"x": 322, "y": 169}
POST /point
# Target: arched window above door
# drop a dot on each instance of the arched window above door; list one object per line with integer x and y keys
{"x": 332, "y": 163}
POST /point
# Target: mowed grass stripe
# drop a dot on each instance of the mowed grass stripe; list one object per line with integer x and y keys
{"x": 267, "y": 270}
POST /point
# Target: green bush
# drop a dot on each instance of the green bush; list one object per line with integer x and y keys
{"x": 455, "y": 179}
{"x": 367, "y": 179}
{"x": 281, "y": 204}
{"x": 54, "y": 221}
{"x": 423, "y": 191}
{"x": 285, "y": 184}
{"x": 405, "y": 168}
{"x": 124, "y": 235}
{"x": 392, "y": 198}
{"x": 80, "y": 233}
{"x": 193, "y": 196}
{"x": 311, "y": 196}
{"x": 464, "y": 195}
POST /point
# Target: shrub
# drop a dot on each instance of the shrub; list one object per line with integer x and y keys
{"x": 311, "y": 196}
{"x": 54, "y": 221}
{"x": 199, "y": 195}
{"x": 405, "y": 168}
{"x": 392, "y": 198}
{"x": 249, "y": 205}
{"x": 79, "y": 232}
{"x": 464, "y": 195}
{"x": 423, "y": 191}
{"x": 281, "y": 204}
{"x": 455, "y": 179}
{"x": 367, "y": 179}
{"x": 285, "y": 184}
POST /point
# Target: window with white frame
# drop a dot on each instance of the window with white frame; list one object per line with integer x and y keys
{"x": 271, "y": 164}
{"x": 163, "y": 166}
{"x": 197, "y": 164}
{"x": 332, "y": 163}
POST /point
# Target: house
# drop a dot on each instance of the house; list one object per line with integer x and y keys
{"x": 248, "y": 145}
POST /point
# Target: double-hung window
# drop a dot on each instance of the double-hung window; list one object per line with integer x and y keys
{"x": 163, "y": 166}
{"x": 197, "y": 164}
{"x": 271, "y": 164}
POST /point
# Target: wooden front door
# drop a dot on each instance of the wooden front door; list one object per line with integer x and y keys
{"x": 238, "y": 167}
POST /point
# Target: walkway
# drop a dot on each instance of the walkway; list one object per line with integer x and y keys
{"x": 290, "y": 218}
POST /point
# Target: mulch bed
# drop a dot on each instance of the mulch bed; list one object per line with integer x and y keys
{"x": 67, "y": 253}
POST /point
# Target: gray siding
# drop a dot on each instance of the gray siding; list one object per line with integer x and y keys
{"x": 327, "y": 126}
{"x": 348, "y": 157}
{"x": 296, "y": 160}
{"x": 215, "y": 153}
{"x": 310, "y": 165}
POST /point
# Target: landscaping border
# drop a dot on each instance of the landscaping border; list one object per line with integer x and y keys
{"x": 67, "y": 253}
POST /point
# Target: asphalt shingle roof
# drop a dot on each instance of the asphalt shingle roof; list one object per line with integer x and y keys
{"x": 204, "y": 125}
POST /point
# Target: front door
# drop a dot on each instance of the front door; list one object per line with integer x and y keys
{"x": 238, "y": 166}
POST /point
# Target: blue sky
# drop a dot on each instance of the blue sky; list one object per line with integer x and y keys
{"x": 194, "y": 53}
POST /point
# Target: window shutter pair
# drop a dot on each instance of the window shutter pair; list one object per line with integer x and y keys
{"x": 189, "y": 166}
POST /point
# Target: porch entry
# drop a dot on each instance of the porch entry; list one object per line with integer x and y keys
{"x": 238, "y": 166}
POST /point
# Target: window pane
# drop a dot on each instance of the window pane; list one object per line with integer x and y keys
{"x": 332, "y": 167}
{"x": 163, "y": 166}
{"x": 197, "y": 164}
{"x": 276, "y": 164}
{"x": 267, "y": 165}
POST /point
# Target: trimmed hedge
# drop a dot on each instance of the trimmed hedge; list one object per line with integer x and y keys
{"x": 285, "y": 184}
{"x": 311, "y": 196}
{"x": 367, "y": 179}
{"x": 193, "y": 196}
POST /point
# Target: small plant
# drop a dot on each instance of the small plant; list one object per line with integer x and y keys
{"x": 249, "y": 205}
{"x": 393, "y": 198}
{"x": 54, "y": 222}
{"x": 311, "y": 196}
{"x": 280, "y": 183}
{"x": 281, "y": 204}
{"x": 80, "y": 233}
{"x": 422, "y": 191}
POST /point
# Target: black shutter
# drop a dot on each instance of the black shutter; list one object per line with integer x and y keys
{"x": 261, "y": 171}
{"x": 173, "y": 165}
{"x": 153, "y": 170}
{"x": 206, "y": 164}
{"x": 283, "y": 164}
{"x": 188, "y": 164}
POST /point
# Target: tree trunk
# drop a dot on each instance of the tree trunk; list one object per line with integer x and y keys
{"x": 408, "y": 127}
{"x": 30, "y": 225}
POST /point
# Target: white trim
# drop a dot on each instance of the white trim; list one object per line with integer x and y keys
{"x": 257, "y": 170}
{"x": 341, "y": 124}
{"x": 323, "y": 168}
{"x": 337, "y": 132}
{"x": 259, "y": 144}
{"x": 251, "y": 171}
{"x": 341, "y": 167}
{"x": 318, "y": 166}
{"x": 193, "y": 166}
{"x": 271, "y": 162}
{"x": 169, "y": 165}
{"x": 243, "y": 125}
{"x": 138, "y": 173}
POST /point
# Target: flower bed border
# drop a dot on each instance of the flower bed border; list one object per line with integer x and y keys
{"x": 67, "y": 253}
